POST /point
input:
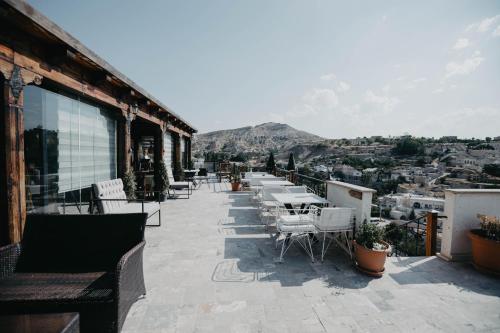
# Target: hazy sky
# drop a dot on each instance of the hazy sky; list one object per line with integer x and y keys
{"x": 336, "y": 69}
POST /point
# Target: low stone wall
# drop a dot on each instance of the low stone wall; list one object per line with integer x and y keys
{"x": 461, "y": 208}
{"x": 342, "y": 194}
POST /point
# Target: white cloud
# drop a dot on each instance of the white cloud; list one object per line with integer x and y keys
{"x": 320, "y": 99}
{"x": 484, "y": 25}
{"x": 385, "y": 102}
{"x": 313, "y": 102}
{"x": 496, "y": 32}
{"x": 386, "y": 88}
{"x": 468, "y": 66}
{"x": 343, "y": 87}
{"x": 414, "y": 83}
{"x": 420, "y": 79}
{"x": 461, "y": 43}
{"x": 438, "y": 90}
{"x": 328, "y": 77}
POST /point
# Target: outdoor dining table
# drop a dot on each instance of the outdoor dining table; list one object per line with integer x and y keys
{"x": 273, "y": 183}
{"x": 299, "y": 199}
{"x": 247, "y": 180}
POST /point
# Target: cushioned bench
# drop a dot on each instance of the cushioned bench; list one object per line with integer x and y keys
{"x": 90, "y": 264}
{"x": 111, "y": 199}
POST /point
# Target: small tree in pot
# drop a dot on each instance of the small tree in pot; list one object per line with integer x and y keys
{"x": 370, "y": 250}
{"x": 163, "y": 179}
{"x": 486, "y": 245}
{"x": 235, "y": 178}
{"x": 129, "y": 184}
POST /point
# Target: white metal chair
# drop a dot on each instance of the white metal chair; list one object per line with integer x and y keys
{"x": 336, "y": 223}
{"x": 295, "y": 228}
{"x": 267, "y": 203}
{"x": 174, "y": 185}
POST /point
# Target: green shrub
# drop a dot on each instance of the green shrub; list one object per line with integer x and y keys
{"x": 129, "y": 184}
{"x": 369, "y": 235}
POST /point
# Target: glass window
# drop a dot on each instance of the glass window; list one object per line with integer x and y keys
{"x": 69, "y": 144}
{"x": 168, "y": 150}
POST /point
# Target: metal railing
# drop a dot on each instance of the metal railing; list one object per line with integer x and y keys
{"x": 412, "y": 238}
{"x": 315, "y": 185}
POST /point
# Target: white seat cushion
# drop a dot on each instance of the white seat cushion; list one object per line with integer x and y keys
{"x": 296, "y": 219}
{"x": 110, "y": 189}
{"x": 297, "y": 228}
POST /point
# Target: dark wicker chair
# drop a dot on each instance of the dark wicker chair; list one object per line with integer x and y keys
{"x": 91, "y": 264}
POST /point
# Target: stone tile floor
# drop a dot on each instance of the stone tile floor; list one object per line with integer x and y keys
{"x": 211, "y": 267}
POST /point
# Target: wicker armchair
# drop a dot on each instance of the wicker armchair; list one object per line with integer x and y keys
{"x": 91, "y": 264}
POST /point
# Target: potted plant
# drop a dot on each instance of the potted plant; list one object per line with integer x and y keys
{"x": 370, "y": 250}
{"x": 163, "y": 182}
{"x": 129, "y": 184}
{"x": 486, "y": 245}
{"x": 235, "y": 179}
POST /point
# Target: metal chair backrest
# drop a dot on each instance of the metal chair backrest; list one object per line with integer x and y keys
{"x": 335, "y": 219}
{"x": 267, "y": 192}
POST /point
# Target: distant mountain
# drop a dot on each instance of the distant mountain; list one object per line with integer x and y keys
{"x": 259, "y": 139}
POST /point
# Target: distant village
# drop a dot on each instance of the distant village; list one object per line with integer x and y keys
{"x": 410, "y": 174}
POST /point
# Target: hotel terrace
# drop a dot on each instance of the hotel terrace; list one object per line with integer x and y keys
{"x": 73, "y": 126}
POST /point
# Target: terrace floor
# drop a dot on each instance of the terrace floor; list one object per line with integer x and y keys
{"x": 211, "y": 267}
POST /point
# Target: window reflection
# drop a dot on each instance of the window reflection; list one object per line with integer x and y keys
{"x": 69, "y": 144}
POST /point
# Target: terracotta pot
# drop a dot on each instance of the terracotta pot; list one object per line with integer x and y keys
{"x": 235, "y": 186}
{"x": 369, "y": 261}
{"x": 485, "y": 253}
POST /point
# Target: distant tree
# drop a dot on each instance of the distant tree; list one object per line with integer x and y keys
{"x": 339, "y": 174}
{"x": 492, "y": 169}
{"x": 271, "y": 164}
{"x": 408, "y": 146}
{"x": 420, "y": 162}
{"x": 488, "y": 139}
{"x": 240, "y": 157}
{"x": 386, "y": 212}
{"x": 291, "y": 162}
{"x": 412, "y": 215}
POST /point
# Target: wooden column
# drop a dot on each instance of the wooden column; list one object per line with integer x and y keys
{"x": 158, "y": 153}
{"x": 188, "y": 152}
{"x": 13, "y": 200}
{"x": 431, "y": 234}
{"x": 125, "y": 142}
{"x": 177, "y": 153}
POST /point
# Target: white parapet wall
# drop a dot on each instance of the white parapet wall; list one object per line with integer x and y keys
{"x": 461, "y": 208}
{"x": 342, "y": 194}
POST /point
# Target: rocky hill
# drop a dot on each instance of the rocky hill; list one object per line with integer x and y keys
{"x": 259, "y": 139}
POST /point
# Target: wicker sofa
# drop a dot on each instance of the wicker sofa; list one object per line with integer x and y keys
{"x": 111, "y": 199}
{"x": 91, "y": 264}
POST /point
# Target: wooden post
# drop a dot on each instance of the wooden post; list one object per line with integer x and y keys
{"x": 158, "y": 154}
{"x": 431, "y": 234}
{"x": 13, "y": 203}
{"x": 188, "y": 152}
{"x": 177, "y": 153}
{"x": 125, "y": 142}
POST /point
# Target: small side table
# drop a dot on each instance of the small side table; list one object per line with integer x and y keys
{"x": 35, "y": 323}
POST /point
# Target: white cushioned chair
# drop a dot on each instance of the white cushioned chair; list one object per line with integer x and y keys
{"x": 174, "y": 185}
{"x": 111, "y": 199}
